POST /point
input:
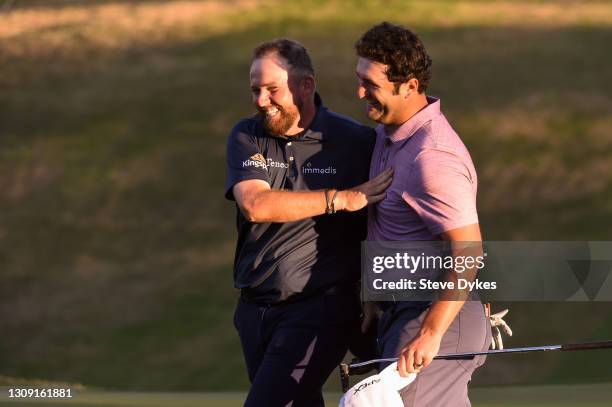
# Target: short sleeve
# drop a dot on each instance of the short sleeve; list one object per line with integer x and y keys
{"x": 244, "y": 160}
{"x": 442, "y": 190}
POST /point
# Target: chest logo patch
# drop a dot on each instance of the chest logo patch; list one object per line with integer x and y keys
{"x": 310, "y": 169}
{"x": 256, "y": 160}
{"x": 259, "y": 161}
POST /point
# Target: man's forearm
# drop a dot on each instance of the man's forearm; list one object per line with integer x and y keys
{"x": 443, "y": 311}
{"x": 260, "y": 204}
{"x": 287, "y": 206}
{"x": 440, "y": 316}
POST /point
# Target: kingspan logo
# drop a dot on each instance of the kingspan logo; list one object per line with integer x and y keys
{"x": 256, "y": 160}
{"x": 309, "y": 169}
{"x": 276, "y": 164}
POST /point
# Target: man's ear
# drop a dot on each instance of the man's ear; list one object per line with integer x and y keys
{"x": 308, "y": 84}
{"x": 409, "y": 88}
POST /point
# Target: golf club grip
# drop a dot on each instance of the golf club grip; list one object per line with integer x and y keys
{"x": 586, "y": 346}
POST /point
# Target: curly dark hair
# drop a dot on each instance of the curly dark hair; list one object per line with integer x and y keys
{"x": 398, "y": 48}
{"x": 291, "y": 51}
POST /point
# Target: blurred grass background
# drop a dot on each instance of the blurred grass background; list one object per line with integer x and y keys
{"x": 116, "y": 243}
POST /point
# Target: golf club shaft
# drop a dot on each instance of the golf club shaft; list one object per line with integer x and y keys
{"x": 470, "y": 355}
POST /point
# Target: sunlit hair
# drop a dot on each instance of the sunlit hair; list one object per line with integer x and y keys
{"x": 294, "y": 53}
{"x": 398, "y": 48}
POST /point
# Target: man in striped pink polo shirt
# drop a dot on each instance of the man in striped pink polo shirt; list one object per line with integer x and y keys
{"x": 432, "y": 197}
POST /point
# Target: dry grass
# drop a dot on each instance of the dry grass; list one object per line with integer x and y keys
{"x": 114, "y": 26}
{"x": 530, "y": 14}
{"x": 75, "y": 32}
{"x": 544, "y": 181}
{"x": 37, "y": 171}
{"x": 110, "y": 22}
{"x": 72, "y": 36}
{"x": 39, "y": 383}
{"x": 445, "y": 14}
{"x": 541, "y": 151}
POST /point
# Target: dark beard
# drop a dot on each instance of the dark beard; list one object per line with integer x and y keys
{"x": 281, "y": 123}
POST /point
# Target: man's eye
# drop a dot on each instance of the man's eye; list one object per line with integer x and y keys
{"x": 367, "y": 85}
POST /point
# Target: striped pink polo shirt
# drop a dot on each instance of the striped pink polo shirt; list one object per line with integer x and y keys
{"x": 434, "y": 181}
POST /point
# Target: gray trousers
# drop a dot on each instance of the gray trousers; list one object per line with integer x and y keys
{"x": 444, "y": 382}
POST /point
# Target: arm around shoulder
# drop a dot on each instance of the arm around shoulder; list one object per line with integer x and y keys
{"x": 261, "y": 204}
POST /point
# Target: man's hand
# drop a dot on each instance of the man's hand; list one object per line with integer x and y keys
{"x": 418, "y": 353}
{"x": 369, "y": 192}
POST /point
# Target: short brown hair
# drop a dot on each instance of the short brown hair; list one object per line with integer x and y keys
{"x": 398, "y": 48}
{"x": 291, "y": 51}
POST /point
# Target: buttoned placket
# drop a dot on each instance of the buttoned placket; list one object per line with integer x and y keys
{"x": 290, "y": 154}
{"x": 384, "y": 154}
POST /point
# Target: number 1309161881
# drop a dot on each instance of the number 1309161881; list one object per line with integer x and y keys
{"x": 39, "y": 393}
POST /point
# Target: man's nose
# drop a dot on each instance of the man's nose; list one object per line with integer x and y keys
{"x": 361, "y": 92}
{"x": 262, "y": 99}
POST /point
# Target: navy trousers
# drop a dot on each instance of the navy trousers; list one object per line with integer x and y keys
{"x": 291, "y": 349}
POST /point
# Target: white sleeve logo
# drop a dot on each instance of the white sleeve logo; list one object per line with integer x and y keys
{"x": 256, "y": 160}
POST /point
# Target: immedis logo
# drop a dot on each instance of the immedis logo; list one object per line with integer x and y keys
{"x": 309, "y": 169}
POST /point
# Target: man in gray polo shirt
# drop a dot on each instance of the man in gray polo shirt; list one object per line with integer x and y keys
{"x": 432, "y": 197}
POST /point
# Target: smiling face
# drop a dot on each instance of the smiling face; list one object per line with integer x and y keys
{"x": 273, "y": 95}
{"x": 384, "y": 103}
